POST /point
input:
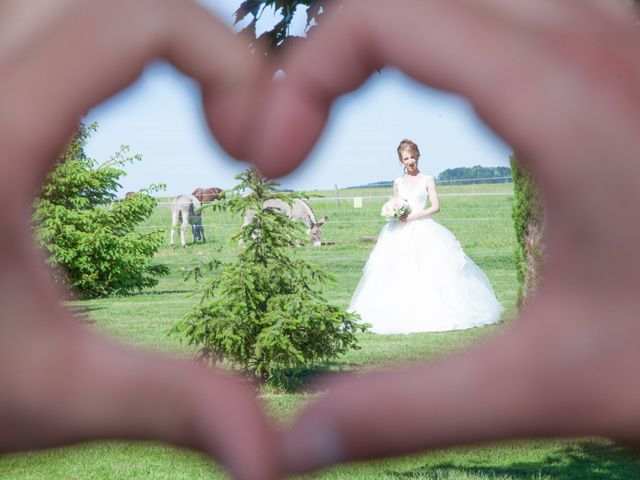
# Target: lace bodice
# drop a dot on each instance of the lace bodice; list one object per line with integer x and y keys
{"x": 414, "y": 190}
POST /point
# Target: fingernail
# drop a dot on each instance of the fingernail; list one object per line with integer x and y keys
{"x": 269, "y": 134}
{"x": 289, "y": 127}
{"x": 311, "y": 445}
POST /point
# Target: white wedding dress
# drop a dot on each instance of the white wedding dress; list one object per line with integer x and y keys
{"x": 418, "y": 278}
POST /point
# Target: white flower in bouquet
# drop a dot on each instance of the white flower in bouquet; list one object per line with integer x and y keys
{"x": 395, "y": 208}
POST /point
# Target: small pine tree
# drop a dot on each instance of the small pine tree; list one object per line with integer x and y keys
{"x": 528, "y": 218}
{"x": 265, "y": 312}
{"x": 91, "y": 239}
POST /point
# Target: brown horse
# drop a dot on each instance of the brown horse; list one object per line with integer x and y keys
{"x": 207, "y": 195}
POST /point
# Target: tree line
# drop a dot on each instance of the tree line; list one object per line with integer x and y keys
{"x": 475, "y": 174}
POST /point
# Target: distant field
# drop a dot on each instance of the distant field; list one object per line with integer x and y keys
{"x": 479, "y": 215}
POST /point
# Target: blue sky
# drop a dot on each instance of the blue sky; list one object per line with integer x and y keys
{"x": 160, "y": 117}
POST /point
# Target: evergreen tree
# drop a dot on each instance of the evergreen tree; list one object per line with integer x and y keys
{"x": 265, "y": 311}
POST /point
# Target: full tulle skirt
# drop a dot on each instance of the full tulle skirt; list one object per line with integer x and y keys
{"x": 418, "y": 279}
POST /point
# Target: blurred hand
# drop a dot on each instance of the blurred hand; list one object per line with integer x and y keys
{"x": 559, "y": 81}
{"x": 60, "y": 383}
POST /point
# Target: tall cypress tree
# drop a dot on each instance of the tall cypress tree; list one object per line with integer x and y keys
{"x": 528, "y": 218}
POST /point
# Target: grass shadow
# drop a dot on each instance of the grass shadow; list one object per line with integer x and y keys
{"x": 305, "y": 380}
{"x": 82, "y": 312}
{"x": 177, "y": 291}
{"x": 583, "y": 460}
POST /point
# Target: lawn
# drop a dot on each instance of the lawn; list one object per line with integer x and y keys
{"x": 480, "y": 216}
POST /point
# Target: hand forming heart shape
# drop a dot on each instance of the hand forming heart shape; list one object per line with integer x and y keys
{"x": 558, "y": 80}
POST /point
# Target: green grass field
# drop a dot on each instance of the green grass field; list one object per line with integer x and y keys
{"x": 483, "y": 225}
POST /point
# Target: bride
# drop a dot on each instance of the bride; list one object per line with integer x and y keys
{"x": 417, "y": 278}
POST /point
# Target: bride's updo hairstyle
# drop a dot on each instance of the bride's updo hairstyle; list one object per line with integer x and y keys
{"x": 407, "y": 144}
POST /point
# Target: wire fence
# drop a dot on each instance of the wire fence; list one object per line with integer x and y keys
{"x": 372, "y": 197}
{"x": 348, "y": 201}
{"x": 445, "y": 183}
{"x": 475, "y": 181}
{"x": 343, "y": 222}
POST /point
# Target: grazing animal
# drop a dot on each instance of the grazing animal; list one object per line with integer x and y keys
{"x": 298, "y": 210}
{"x": 207, "y": 195}
{"x": 187, "y": 209}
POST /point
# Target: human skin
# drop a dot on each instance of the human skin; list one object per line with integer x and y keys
{"x": 59, "y": 382}
{"x": 559, "y": 81}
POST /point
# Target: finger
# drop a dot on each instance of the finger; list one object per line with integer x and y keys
{"x": 45, "y": 93}
{"x": 351, "y": 43}
{"x": 82, "y": 388}
{"x": 552, "y": 15}
{"x": 536, "y": 84}
{"x": 616, "y": 12}
{"x": 24, "y": 23}
{"x": 512, "y": 71}
{"x": 523, "y": 384}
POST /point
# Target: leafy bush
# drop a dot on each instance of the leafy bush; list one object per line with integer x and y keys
{"x": 265, "y": 312}
{"x": 528, "y": 218}
{"x": 91, "y": 239}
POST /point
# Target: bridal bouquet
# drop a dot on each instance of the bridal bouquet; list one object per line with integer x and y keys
{"x": 395, "y": 209}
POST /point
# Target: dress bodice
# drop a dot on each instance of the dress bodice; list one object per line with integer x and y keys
{"x": 414, "y": 190}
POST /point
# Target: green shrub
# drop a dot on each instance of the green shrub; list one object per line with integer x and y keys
{"x": 265, "y": 312}
{"x": 90, "y": 238}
